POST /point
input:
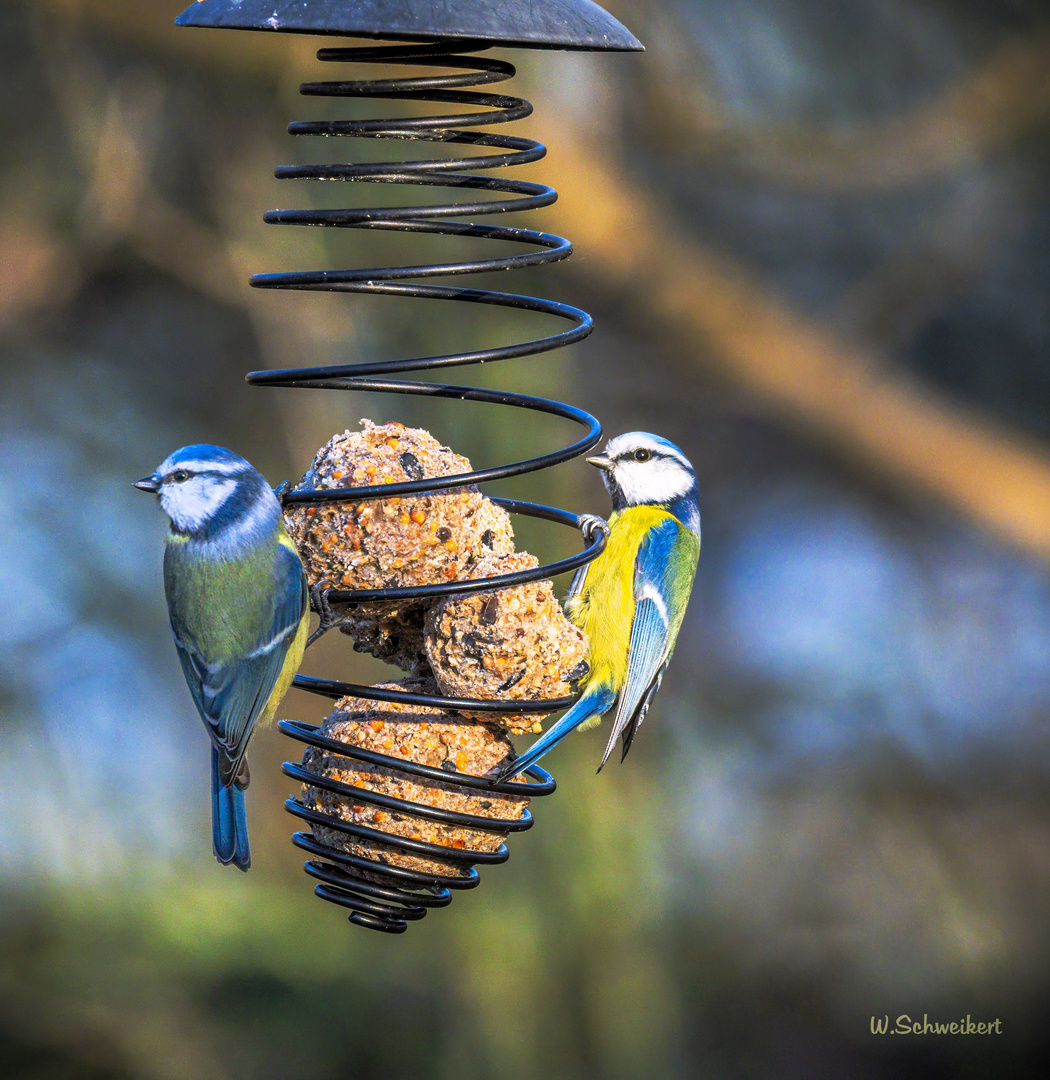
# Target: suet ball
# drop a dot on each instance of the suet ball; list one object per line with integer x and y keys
{"x": 422, "y": 734}
{"x": 509, "y": 643}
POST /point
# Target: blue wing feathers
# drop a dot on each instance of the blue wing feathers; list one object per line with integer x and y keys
{"x": 662, "y": 559}
{"x": 635, "y": 722}
{"x": 659, "y": 566}
{"x": 650, "y": 638}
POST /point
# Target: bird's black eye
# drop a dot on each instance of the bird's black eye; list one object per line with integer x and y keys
{"x": 641, "y": 454}
{"x": 179, "y": 475}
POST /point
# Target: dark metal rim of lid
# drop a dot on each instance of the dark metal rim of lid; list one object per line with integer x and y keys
{"x": 533, "y": 24}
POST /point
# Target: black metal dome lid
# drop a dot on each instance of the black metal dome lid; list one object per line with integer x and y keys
{"x": 538, "y": 24}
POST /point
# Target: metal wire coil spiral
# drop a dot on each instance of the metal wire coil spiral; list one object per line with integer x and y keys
{"x": 380, "y": 896}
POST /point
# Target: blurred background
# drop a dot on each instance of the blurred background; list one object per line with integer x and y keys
{"x": 815, "y": 236}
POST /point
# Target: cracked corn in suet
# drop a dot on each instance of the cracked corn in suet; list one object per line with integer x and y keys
{"x": 421, "y": 539}
{"x": 509, "y": 643}
{"x": 421, "y": 734}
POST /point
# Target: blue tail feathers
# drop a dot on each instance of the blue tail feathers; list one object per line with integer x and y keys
{"x": 229, "y": 823}
{"x": 594, "y": 702}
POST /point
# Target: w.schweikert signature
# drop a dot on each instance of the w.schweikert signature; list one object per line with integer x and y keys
{"x": 905, "y": 1025}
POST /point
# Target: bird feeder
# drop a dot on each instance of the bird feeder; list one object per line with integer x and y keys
{"x": 387, "y": 849}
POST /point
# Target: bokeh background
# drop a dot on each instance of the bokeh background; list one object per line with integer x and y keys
{"x": 815, "y": 236}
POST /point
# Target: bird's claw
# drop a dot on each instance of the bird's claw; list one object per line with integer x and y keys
{"x": 281, "y": 490}
{"x": 319, "y": 603}
{"x": 591, "y": 524}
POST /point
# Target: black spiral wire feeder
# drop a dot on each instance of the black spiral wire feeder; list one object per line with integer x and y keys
{"x": 379, "y": 896}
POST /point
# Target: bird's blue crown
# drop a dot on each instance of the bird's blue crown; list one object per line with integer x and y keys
{"x": 204, "y": 457}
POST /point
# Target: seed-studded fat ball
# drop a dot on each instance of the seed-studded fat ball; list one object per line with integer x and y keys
{"x": 493, "y": 524}
{"x": 510, "y": 643}
{"x": 420, "y": 539}
{"x": 416, "y": 733}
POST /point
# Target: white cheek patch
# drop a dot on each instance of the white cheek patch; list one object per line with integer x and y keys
{"x": 660, "y": 480}
{"x": 191, "y": 503}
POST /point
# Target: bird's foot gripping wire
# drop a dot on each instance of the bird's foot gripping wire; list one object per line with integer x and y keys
{"x": 591, "y": 524}
{"x": 319, "y": 603}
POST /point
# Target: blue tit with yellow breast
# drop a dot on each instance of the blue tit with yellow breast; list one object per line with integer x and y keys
{"x": 631, "y": 600}
{"x": 239, "y": 608}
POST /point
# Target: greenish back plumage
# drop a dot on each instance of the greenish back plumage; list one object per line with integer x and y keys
{"x": 240, "y": 626}
{"x": 224, "y": 607}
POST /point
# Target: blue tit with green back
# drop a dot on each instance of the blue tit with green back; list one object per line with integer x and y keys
{"x": 631, "y": 600}
{"x": 239, "y": 609}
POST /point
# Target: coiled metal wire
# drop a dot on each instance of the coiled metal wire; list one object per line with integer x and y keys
{"x": 380, "y": 896}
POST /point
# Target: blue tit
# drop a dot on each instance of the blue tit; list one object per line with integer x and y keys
{"x": 239, "y": 608}
{"x": 631, "y": 600}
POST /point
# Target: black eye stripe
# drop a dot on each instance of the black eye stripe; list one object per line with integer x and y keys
{"x": 181, "y": 475}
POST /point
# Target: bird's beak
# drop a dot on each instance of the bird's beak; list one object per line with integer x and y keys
{"x": 600, "y": 461}
{"x": 148, "y": 483}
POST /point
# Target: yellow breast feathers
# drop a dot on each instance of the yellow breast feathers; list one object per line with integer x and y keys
{"x": 604, "y": 607}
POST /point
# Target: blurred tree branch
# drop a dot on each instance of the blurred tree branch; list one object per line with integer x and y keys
{"x": 970, "y": 121}
{"x": 942, "y": 259}
{"x": 832, "y": 387}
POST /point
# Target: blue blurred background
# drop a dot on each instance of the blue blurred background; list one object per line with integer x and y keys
{"x": 814, "y": 234}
